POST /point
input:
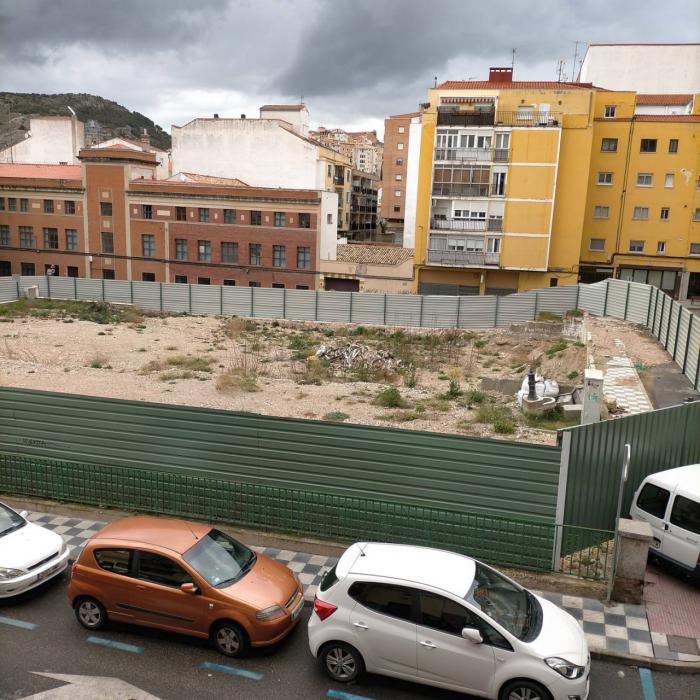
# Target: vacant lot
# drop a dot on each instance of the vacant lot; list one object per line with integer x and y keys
{"x": 418, "y": 379}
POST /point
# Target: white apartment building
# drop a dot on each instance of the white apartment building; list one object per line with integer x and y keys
{"x": 51, "y": 140}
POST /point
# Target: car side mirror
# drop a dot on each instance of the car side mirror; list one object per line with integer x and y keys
{"x": 24, "y": 513}
{"x": 189, "y": 588}
{"x": 473, "y": 635}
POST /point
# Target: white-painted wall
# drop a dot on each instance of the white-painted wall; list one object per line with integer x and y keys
{"x": 50, "y": 140}
{"x": 415, "y": 132}
{"x": 161, "y": 156}
{"x": 649, "y": 69}
{"x": 298, "y": 118}
{"x": 258, "y": 151}
{"x": 328, "y": 245}
{"x": 663, "y": 109}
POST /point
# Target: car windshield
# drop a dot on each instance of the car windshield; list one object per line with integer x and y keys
{"x": 9, "y": 520}
{"x": 512, "y": 607}
{"x": 220, "y": 559}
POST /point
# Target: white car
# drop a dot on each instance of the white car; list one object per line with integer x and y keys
{"x": 446, "y": 620}
{"x": 29, "y": 554}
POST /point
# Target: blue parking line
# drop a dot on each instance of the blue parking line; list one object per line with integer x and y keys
{"x": 232, "y": 671}
{"x": 340, "y": 695}
{"x": 115, "y": 645}
{"x": 647, "y": 684}
{"x": 17, "y": 623}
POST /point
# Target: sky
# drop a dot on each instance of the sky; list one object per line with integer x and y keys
{"x": 355, "y": 62}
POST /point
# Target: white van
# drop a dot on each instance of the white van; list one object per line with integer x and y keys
{"x": 670, "y": 502}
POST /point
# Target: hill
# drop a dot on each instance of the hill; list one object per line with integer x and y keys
{"x": 16, "y": 109}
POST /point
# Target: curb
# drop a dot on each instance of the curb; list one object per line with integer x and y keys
{"x": 668, "y": 665}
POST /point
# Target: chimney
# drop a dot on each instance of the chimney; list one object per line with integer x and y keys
{"x": 242, "y": 116}
{"x": 216, "y": 116}
{"x": 501, "y": 75}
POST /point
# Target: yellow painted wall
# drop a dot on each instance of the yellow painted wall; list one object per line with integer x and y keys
{"x": 530, "y": 182}
{"x": 527, "y": 217}
{"x": 425, "y": 177}
{"x": 532, "y": 145}
{"x": 524, "y": 252}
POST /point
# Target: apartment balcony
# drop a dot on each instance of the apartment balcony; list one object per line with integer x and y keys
{"x": 492, "y": 225}
{"x": 532, "y": 118}
{"x": 500, "y": 155}
{"x": 451, "y": 189}
{"x": 465, "y": 118}
{"x": 460, "y": 258}
{"x": 482, "y": 155}
{"x": 338, "y": 180}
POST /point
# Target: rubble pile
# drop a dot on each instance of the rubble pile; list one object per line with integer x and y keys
{"x": 356, "y": 355}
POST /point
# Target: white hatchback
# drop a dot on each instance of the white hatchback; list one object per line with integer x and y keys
{"x": 446, "y": 620}
{"x": 29, "y": 554}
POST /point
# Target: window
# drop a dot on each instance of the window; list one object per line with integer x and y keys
{"x": 72, "y": 271}
{"x": 597, "y": 244}
{"x": 280, "y": 218}
{"x": 253, "y": 284}
{"x": 661, "y": 247}
{"x": 640, "y": 213}
{"x": 116, "y": 561}
{"x": 229, "y": 216}
{"x": 647, "y": 146}
{"x": 302, "y": 286}
{"x": 399, "y": 147}
{"x": 610, "y": 111}
{"x": 605, "y": 178}
{"x": 330, "y": 170}
{"x": 50, "y": 269}
{"x": 494, "y": 245}
{"x": 329, "y": 217}
{"x": 24, "y": 206}
{"x": 2, "y": 204}
{"x": 148, "y": 245}
{"x": 398, "y": 177}
{"x": 525, "y": 113}
{"x": 229, "y": 283}
{"x": 107, "y": 242}
{"x": 181, "y": 213}
{"x": 696, "y": 214}
{"x": 12, "y": 204}
{"x": 255, "y": 218}
{"x": 181, "y": 279}
{"x": 304, "y": 220}
{"x": 147, "y": 211}
{"x": 229, "y": 252}
{"x": 27, "y": 269}
{"x": 204, "y": 251}
{"x": 107, "y": 274}
{"x": 397, "y": 209}
{"x": 600, "y": 212}
{"x": 402, "y": 129}
{"x": 255, "y": 252}
{"x": 162, "y": 570}
{"x": 51, "y": 238}
{"x": 383, "y": 598}
{"x": 26, "y": 237}
{"x": 644, "y": 179}
{"x": 636, "y": 246}
{"x": 399, "y": 161}
{"x": 71, "y": 239}
{"x": 443, "y": 614}
{"x": 673, "y": 145}
{"x": 665, "y": 213}
{"x": 203, "y": 280}
{"x": 279, "y": 256}
{"x": 277, "y": 285}
{"x": 48, "y": 206}
{"x": 303, "y": 258}
{"x": 148, "y": 276}
{"x": 204, "y": 215}
{"x": 695, "y": 248}
{"x": 686, "y": 514}
{"x": 609, "y": 145}
{"x": 4, "y": 234}
{"x": 397, "y": 193}
{"x": 653, "y": 500}
{"x": 180, "y": 249}
{"x": 105, "y": 208}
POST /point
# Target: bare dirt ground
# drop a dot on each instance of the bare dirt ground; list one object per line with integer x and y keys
{"x": 269, "y": 367}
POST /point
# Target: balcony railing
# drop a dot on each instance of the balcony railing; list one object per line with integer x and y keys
{"x": 465, "y": 118}
{"x": 528, "y": 118}
{"x": 493, "y": 225}
{"x": 500, "y": 155}
{"x": 460, "y": 258}
{"x": 484, "y": 155}
{"x": 450, "y": 189}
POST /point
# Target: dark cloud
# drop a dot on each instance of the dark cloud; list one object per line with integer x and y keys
{"x": 355, "y": 61}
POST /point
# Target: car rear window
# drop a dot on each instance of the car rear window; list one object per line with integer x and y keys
{"x": 329, "y": 580}
{"x": 115, "y": 561}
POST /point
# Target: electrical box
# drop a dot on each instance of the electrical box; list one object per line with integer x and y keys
{"x": 592, "y": 396}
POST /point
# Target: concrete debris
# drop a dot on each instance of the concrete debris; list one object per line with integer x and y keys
{"x": 356, "y": 355}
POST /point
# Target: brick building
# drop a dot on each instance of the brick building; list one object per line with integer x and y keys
{"x": 110, "y": 218}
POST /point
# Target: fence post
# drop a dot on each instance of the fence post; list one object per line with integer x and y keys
{"x": 605, "y": 303}
{"x": 131, "y": 288}
{"x": 160, "y": 292}
{"x": 627, "y": 300}
{"x": 17, "y": 285}
{"x": 252, "y": 302}
{"x": 687, "y": 341}
{"x": 561, "y": 499}
{"x": 316, "y": 307}
{"x": 103, "y": 289}
{"x": 678, "y": 326}
{"x": 656, "y": 308}
{"x": 495, "y": 313}
{"x": 420, "y": 313}
{"x": 189, "y": 297}
{"x": 668, "y": 325}
{"x": 48, "y": 285}
{"x": 537, "y": 303}
{"x": 385, "y": 309}
{"x": 221, "y": 300}
{"x": 459, "y": 310}
{"x": 284, "y": 302}
{"x": 578, "y": 294}
{"x": 697, "y": 371}
{"x": 350, "y": 310}
{"x": 649, "y": 307}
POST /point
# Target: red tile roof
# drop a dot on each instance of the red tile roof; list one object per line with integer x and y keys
{"x": 515, "y": 85}
{"x": 663, "y": 99}
{"x": 41, "y": 170}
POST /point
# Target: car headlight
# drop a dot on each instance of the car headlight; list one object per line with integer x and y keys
{"x": 269, "y": 613}
{"x": 7, "y": 574}
{"x": 565, "y": 668}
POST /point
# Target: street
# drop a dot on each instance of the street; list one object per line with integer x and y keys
{"x": 38, "y": 634}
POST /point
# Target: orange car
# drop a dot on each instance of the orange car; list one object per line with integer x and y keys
{"x": 187, "y": 578}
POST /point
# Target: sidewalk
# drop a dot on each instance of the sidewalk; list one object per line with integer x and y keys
{"x": 614, "y": 629}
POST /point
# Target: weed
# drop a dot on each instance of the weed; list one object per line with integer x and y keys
{"x": 551, "y": 420}
{"x": 312, "y": 371}
{"x": 574, "y": 313}
{"x": 409, "y": 376}
{"x": 97, "y": 362}
{"x": 401, "y": 416}
{"x": 237, "y": 378}
{"x": 171, "y": 347}
{"x": 335, "y": 417}
{"x": 390, "y": 397}
{"x": 67, "y": 310}
{"x": 504, "y": 426}
{"x": 572, "y": 375}
{"x": 303, "y": 345}
{"x": 101, "y": 333}
{"x": 479, "y": 344}
{"x": 558, "y": 347}
{"x": 475, "y": 397}
{"x": 546, "y": 316}
{"x": 195, "y": 364}
{"x": 141, "y": 350}
{"x": 454, "y": 389}
{"x": 173, "y": 374}
{"x": 579, "y": 344}
{"x": 329, "y": 333}
{"x": 490, "y": 412}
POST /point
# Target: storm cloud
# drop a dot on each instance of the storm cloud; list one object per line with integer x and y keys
{"x": 354, "y": 62}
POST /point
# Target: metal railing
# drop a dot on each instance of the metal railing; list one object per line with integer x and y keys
{"x": 589, "y": 552}
{"x": 485, "y": 155}
{"x": 527, "y": 118}
{"x": 453, "y": 189}
{"x": 460, "y": 258}
{"x": 465, "y": 118}
{"x": 458, "y": 225}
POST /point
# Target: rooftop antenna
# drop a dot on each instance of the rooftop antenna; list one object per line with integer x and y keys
{"x": 512, "y": 60}
{"x": 576, "y": 43}
{"x": 435, "y": 83}
{"x": 560, "y": 69}
{"x": 70, "y": 109}
{"x": 362, "y": 549}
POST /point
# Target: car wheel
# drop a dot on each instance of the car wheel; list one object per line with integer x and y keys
{"x": 90, "y": 613}
{"x": 230, "y": 639}
{"x": 524, "y": 690}
{"x": 342, "y": 662}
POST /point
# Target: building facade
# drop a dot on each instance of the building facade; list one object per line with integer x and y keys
{"x": 362, "y": 147}
{"x": 110, "y": 218}
{"x": 363, "y": 205}
{"x": 50, "y": 140}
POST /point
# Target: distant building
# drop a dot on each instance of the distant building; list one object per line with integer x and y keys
{"x": 363, "y": 204}
{"x": 143, "y": 144}
{"x": 643, "y": 68}
{"x": 94, "y": 132}
{"x": 54, "y": 140}
{"x": 362, "y": 147}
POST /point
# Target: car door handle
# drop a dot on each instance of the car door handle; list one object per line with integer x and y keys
{"x": 361, "y": 625}
{"x": 430, "y": 645}
{"x": 140, "y": 588}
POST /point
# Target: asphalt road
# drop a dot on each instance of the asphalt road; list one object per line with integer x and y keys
{"x": 170, "y": 667}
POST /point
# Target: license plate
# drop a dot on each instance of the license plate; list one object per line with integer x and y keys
{"x": 297, "y": 610}
{"x": 656, "y": 543}
{"x": 45, "y": 574}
